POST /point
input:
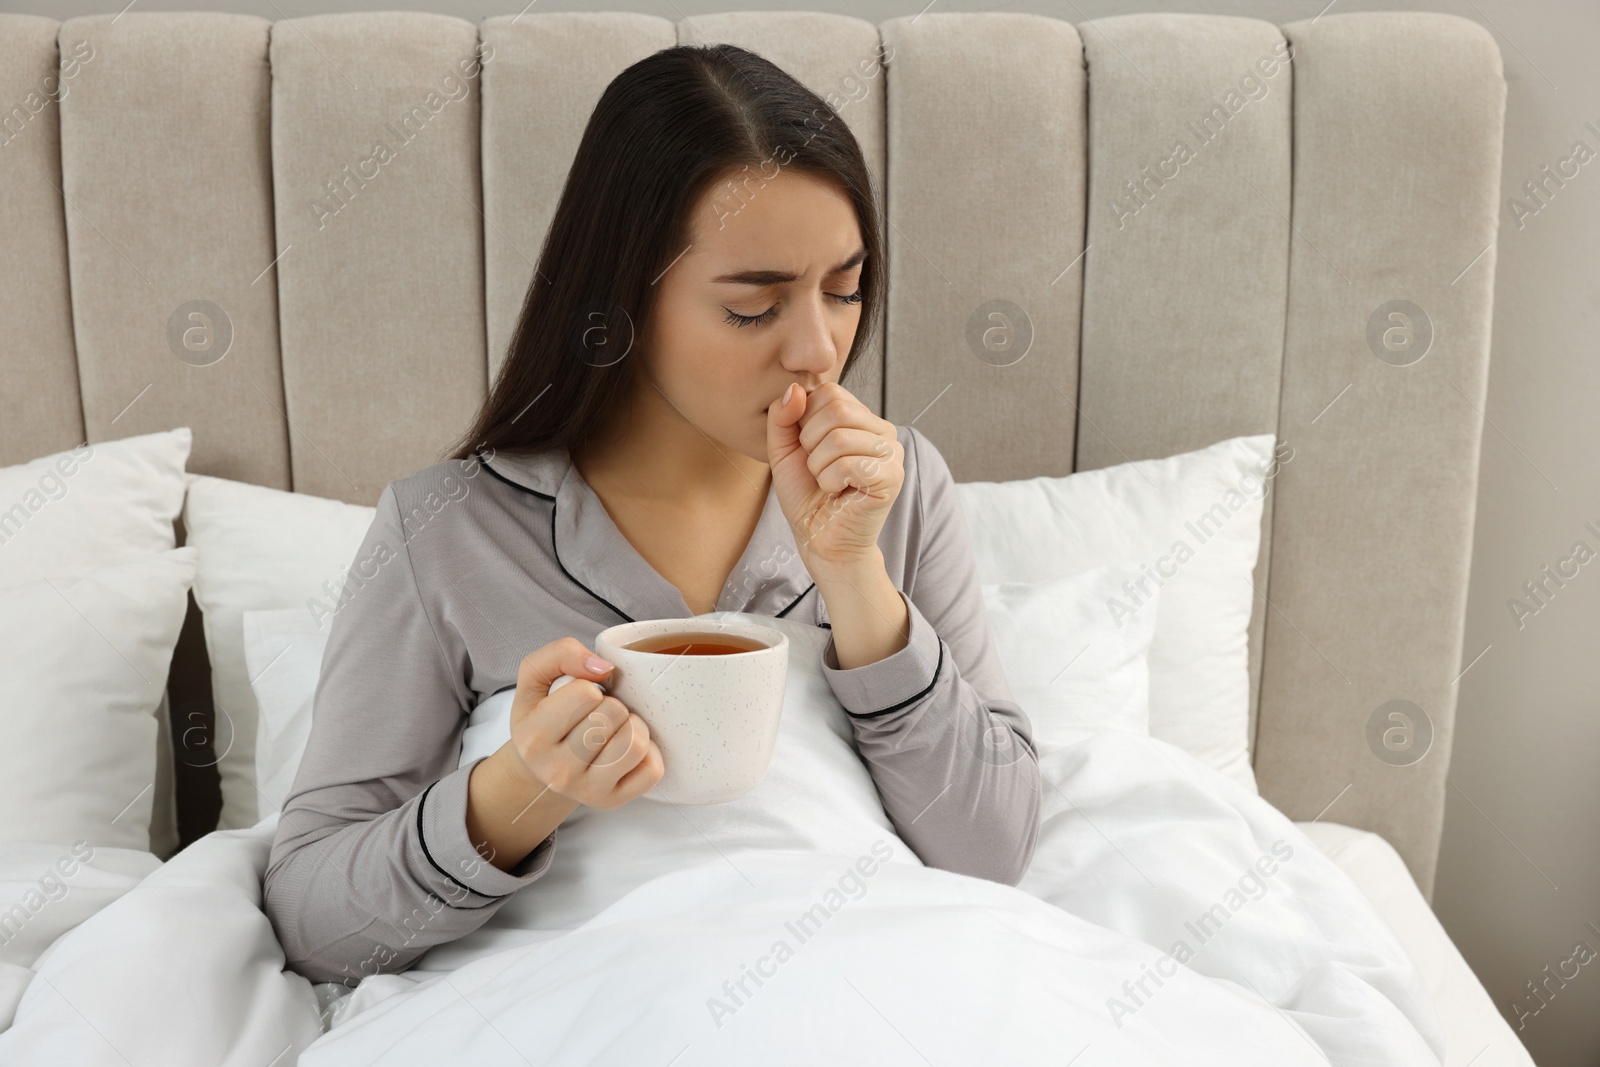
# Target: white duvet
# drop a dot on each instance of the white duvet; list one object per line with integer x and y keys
{"x": 1169, "y": 916}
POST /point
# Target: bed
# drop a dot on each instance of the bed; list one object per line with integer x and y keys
{"x": 1190, "y": 231}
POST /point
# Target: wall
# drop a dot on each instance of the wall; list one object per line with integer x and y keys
{"x": 1519, "y": 874}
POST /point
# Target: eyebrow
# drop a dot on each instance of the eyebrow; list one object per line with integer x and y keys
{"x": 781, "y": 277}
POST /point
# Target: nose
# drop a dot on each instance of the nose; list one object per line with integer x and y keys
{"x": 809, "y": 350}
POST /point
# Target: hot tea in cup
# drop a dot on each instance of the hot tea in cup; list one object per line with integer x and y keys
{"x": 690, "y": 643}
{"x": 711, "y": 691}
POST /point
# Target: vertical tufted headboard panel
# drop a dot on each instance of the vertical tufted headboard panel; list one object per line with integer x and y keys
{"x": 1199, "y": 235}
{"x": 1398, "y": 122}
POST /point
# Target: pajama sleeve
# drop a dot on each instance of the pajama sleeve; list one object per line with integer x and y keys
{"x": 371, "y": 864}
{"x": 950, "y": 752}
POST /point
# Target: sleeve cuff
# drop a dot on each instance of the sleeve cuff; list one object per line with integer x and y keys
{"x": 449, "y": 862}
{"x": 895, "y": 682}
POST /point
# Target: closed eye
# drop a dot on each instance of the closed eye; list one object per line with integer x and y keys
{"x": 736, "y": 319}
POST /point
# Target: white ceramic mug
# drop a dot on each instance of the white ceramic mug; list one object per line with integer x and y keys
{"x": 715, "y": 718}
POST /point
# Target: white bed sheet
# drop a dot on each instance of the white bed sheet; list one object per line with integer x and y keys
{"x": 184, "y": 968}
{"x": 1475, "y": 1031}
{"x": 633, "y": 943}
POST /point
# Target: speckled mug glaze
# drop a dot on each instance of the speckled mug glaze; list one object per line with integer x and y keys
{"x": 715, "y": 718}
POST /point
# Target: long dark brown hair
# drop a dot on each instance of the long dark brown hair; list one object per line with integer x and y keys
{"x": 665, "y": 129}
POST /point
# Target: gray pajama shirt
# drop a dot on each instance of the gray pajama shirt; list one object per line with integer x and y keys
{"x": 470, "y": 565}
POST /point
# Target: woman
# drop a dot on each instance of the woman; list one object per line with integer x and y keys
{"x": 668, "y": 436}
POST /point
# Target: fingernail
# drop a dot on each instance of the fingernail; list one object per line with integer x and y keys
{"x": 787, "y": 393}
{"x": 597, "y": 665}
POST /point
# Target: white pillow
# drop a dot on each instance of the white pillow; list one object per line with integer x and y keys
{"x": 1073, "y": 666}
{"x": 72, "y": 512}
{"x": 67, "y": 514}
{"x": 1201, "y": 507}
{"x": 83, "y": 666}
{"x": 260, "y": 548}
{"x": 283, "y": 654}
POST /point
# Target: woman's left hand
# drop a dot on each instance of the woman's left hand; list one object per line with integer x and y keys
{"x": 836, "y": 468}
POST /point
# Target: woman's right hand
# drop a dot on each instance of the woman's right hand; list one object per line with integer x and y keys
{"x": 579, "y": 742}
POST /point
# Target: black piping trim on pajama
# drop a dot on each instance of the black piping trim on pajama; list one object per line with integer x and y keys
{"x": 908, "y": 700}
{"x": 555, "y": 551}
{"x": 424, "y": 841}
{"x": 797, "y": 600}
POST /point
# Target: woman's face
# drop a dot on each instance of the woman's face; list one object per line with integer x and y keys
{"x": 767, "y": 294}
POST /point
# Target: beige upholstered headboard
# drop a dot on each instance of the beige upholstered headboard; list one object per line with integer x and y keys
{"x": 1200, "y": 239}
